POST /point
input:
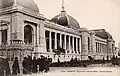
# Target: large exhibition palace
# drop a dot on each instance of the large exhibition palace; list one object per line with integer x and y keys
{"x": 25, "y": 31}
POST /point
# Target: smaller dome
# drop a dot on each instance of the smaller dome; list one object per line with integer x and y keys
{"x": 66, "y": 20}
{"x": 103, "y": 34}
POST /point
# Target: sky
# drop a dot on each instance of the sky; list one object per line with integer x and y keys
{"x": 91, "y": 14}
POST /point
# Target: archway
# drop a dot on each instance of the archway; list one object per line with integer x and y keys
{"x": 28, "y": 34}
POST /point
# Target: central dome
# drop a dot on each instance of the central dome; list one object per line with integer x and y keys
{"x": 30, "y": 4}
{"x": 66, "y": 20}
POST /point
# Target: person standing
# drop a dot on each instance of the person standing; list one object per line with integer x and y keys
{"x": 7, "y": 67}
{"x": 47, "y": 64}
{"x": 41, "y": 63}
{"x": 34, "y": 65}
{"x": 24, "y": 64}
{"x": 58, "y": 61}
{"x": 2, "y": 66}
{"x": 15, "y": 67}
{"x": 29, "y": 63}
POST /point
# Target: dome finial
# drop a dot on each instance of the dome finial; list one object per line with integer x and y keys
{"x": 63, "y": 8}
{"x": 15, "y": 3}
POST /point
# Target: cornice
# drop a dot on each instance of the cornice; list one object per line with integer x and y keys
{"x": 21, "y": 9}
{"x": 61, "y": 28}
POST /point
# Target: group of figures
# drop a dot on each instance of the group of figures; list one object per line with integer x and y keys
{"x": 29, "y": 65}
{"x": 74, "y": 62}
{"x": 4, "y": 67}
{"x": 36, "y": 65}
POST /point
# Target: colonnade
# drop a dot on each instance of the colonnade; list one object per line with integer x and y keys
{"x": 70, "y": 43}
{"x": 101, "y": 48}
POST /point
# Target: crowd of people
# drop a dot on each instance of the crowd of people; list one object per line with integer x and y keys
{"x": 42, "y": 64}
{"x": 36, "y": 65}
{"x": 4, "y": 66}
{"x": 29, "y": 65}
{"x": 74, "y": 62}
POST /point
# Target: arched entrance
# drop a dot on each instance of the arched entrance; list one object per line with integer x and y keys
{"x": 28, "y": 34}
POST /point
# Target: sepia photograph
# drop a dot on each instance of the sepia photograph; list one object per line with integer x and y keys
{"x": 59, "y": 37}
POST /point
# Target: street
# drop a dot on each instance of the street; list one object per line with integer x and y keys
{"x": 80, "y": 71}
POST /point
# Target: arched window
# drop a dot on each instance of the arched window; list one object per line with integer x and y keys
{"x": 28, "y": 34}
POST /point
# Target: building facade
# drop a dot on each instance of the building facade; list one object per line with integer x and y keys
{"x": 24, "y": 31}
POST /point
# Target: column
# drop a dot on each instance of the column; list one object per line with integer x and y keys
{"x": 55, "y": 40}
{"x": 69, "y": 45}
{"x": 102, "y": 48}
{"x": 34, "y": 38}
{"x": 109, "y": 47}
{"x": 8, "y": 34}
{"x": 76, "y": 45}
{"x": 73, "y": 44}
{"x": 37, "y": 34}
{"x": 80, "y": 45}
{"x": 50, "y": 41}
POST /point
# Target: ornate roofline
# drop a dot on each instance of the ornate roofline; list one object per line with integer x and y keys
{"x": 55, "y": 26}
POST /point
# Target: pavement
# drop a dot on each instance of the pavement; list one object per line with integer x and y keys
{"x": 101, "y": 65}
{"x": 80, "y": 71}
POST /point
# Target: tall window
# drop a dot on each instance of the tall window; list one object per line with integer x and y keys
{"x": 71, "y": 43}
{"x": 58, "y": 40}
{"x": 96, "y": 47}
{"x": 28, "y": 34}
{"x": 78, "y": 45}
{"x": 53, "y": 40}
{"x": 63, "y": 41}
{"x": 67, "y": 42}
{"x": 113, "y": 48}
{"x": 4, "y": 36}
{"x": 75, "y": 45}
{"x": 47, "y": 40}
{"x": 88, "y": 43}
{"x": 100, "y": 48}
